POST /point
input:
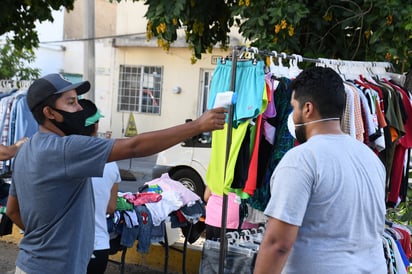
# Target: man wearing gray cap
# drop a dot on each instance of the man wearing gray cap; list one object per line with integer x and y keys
{"x": 51, "y": 196}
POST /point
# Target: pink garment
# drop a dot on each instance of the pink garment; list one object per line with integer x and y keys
{"x": 247, "y": 225}
{"x": 168, "y": 184}
{"x": 214, "y": 211}
{"x": 143, "y": 198}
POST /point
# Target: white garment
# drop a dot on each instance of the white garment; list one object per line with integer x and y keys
{"x": 170, "y": 202}
{"x": 101, "y": 189}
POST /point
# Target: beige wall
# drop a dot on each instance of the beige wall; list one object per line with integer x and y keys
{"x": 177, "y": 71}
{"x": 130, "y": 17}
{"x": 105, "y": 19}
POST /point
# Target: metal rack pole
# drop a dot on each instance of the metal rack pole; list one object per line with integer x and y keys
{"x": 223, "y": 240}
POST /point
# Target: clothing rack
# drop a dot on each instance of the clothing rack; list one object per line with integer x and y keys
{"x": 7, "y": 85}
{"x": 243, "y": 52}
{"x": 320, "y": 61}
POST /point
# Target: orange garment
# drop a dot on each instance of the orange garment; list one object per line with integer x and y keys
{"x": 394, "y": 134}
{"x": 379, "y": 115}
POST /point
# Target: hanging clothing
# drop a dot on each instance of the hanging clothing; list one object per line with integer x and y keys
{"x": 283, "y": 142}
{"x": 250, "y": 100}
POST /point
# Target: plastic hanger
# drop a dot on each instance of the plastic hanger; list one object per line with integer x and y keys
{"x": 283, "y": 71}
{"x": 294, "y": 69}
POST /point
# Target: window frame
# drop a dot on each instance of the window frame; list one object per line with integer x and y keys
{"x": 140, "y": 89}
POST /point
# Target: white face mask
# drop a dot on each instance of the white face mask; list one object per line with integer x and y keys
{"x": 292, "y": 126}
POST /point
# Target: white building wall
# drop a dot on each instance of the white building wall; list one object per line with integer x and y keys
{"x": 105, "y": 90}
{"x": 49, "y": 56}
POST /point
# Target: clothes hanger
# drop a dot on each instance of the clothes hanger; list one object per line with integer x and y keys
{"x": 273, "y": 68}
{"x": 294, "y": 69}
{"x": 283, "y": 71}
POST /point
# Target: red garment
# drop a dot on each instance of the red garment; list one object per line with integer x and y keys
{"x": 404, "y": 143}
{"x": 251, "y": 182}
{"x": 405, "y": 241}
{"x": 405, "y": 140}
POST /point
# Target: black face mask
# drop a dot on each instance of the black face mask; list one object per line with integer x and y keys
{"x": 73, "y": 122}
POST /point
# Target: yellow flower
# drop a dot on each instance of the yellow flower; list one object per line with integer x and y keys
{"x": 174, "y": 21}
{"x": 283, "y": 24}
{"x": 367, "y": 34}
{"x": 277, "y": 28}
{"x": 198, "y": 28}
{"x": 389, "y": 20}
{"x": 159, "y": 42}
{"x": 388, "y": 56}
{"x": 291, "y": 30}
{"x": 149, "y": 32}
{"x": 247, "y": 3}
{"x": 163, "y": 44}
{"x": 327, "y": 17}
{"x": 193, "y": 60}
{"x": 241, "y": 2}
{"x": 161, "y": 27}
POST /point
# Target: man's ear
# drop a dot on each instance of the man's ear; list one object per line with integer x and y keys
{"x": 48, "y": 112}
{"x": 308, "y": 109}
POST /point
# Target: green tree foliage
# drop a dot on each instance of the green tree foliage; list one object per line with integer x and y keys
{"x": 13, "y": 63}
{"x": 18, "y": 17}
{"x": 379, "y": 30}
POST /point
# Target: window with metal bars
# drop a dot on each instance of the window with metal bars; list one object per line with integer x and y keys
{"x": 140, "y": 89}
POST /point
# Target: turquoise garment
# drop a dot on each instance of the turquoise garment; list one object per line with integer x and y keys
{"x": 249, "y": 87}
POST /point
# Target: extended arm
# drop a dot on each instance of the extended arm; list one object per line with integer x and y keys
{"x": 13, "y": 211}
{"x": 8, "y": 152}
{"x": 149, "y": 143}
{"x": 111, "y": 207}
{"x": 275, "y": 247}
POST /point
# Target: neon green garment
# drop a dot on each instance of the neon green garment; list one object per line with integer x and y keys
{"x": 216, "y": 169}
{"x": 123, "y": 204}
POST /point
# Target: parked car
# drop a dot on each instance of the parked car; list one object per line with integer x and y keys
{"x": 186, "y": 162}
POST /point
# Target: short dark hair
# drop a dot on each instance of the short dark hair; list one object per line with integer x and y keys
{"x": 324, "y": 88}
{"x": 38, "y": 110}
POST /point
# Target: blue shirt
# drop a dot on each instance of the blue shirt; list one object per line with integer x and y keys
{"x": 51, "y": 182}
